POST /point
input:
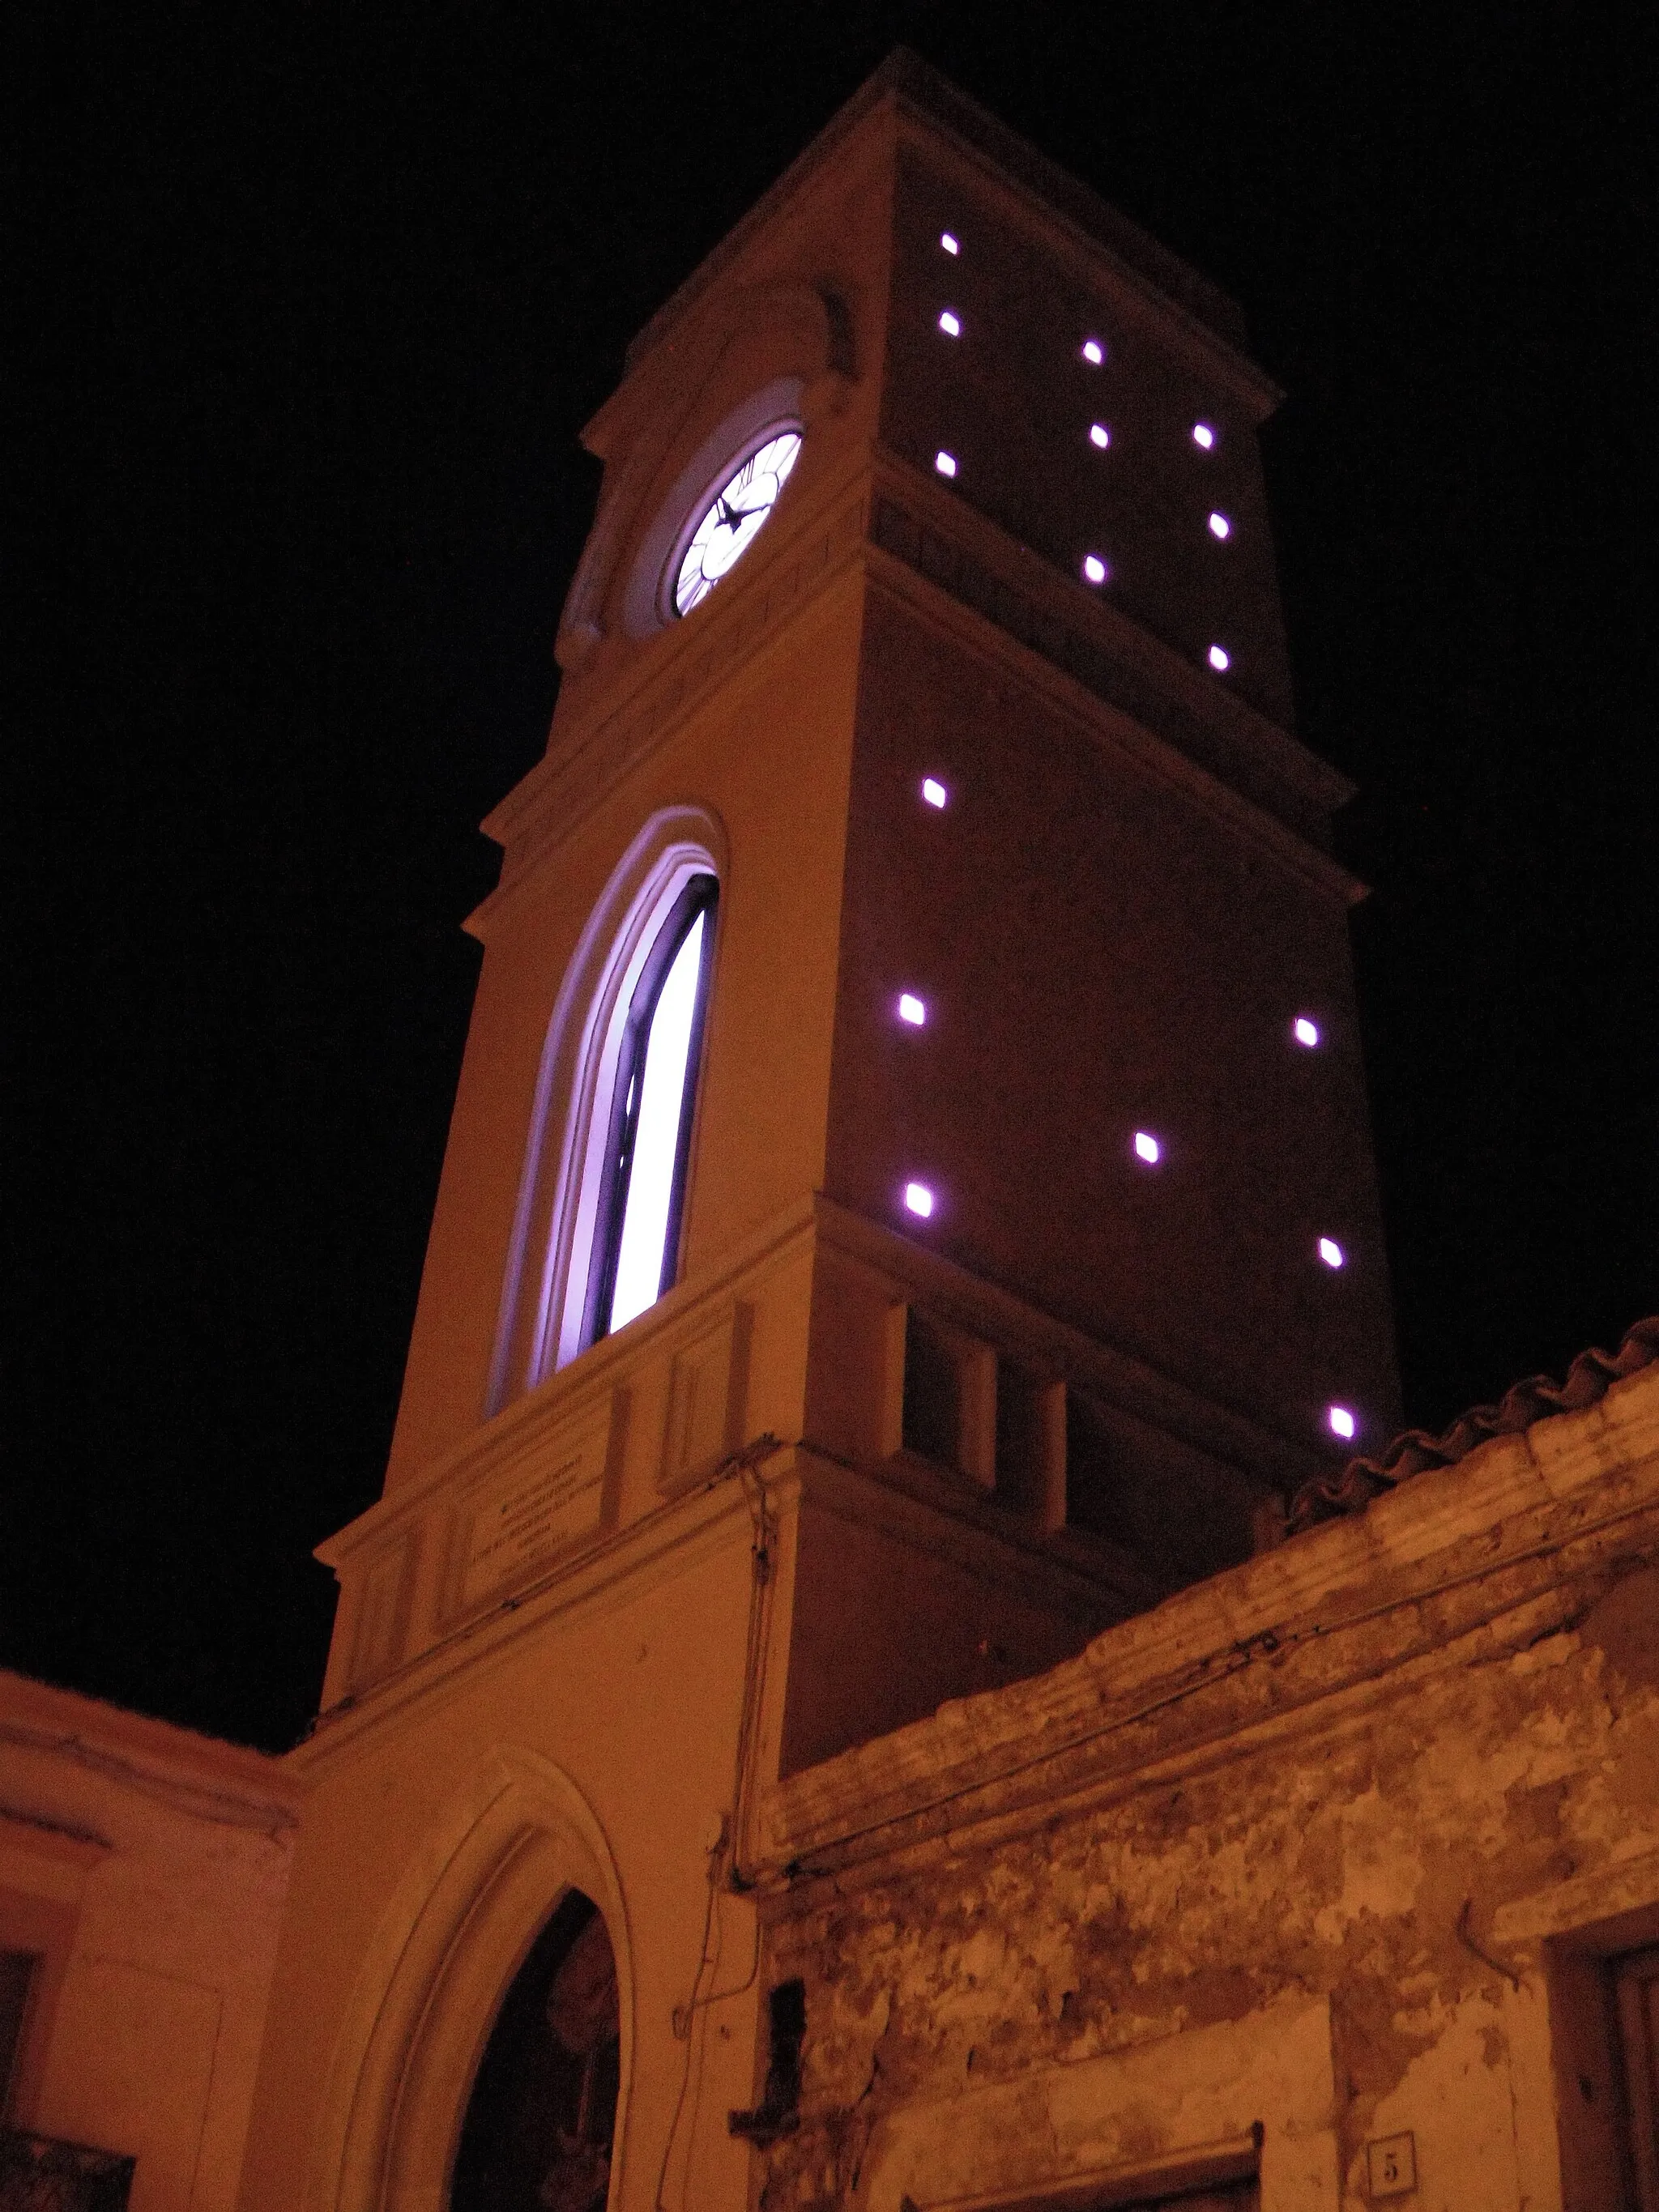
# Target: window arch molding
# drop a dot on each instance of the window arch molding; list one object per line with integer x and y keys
{"x": 546, "y": 1305}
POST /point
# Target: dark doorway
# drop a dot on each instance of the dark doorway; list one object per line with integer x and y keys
{"x": 540, "y": 2122}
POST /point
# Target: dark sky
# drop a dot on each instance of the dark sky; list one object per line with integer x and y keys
{"x": 316, "y": 300}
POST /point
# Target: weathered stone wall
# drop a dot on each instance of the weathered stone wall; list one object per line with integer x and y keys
{"x": 1385, "y": 1777}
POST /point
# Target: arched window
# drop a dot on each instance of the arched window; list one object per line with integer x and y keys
{"x": 541, "y": 2120}
{"x": 637, "y": 1235}
{"x": 597, "y": 1238}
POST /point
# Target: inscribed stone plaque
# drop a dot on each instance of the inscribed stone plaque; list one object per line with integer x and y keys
{"x": 536, "y": 1509}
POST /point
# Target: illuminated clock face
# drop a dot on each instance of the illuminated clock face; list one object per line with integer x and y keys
{"x": 735, "y": 518}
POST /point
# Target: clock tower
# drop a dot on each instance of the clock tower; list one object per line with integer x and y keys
{"x": 908, "y": 1203}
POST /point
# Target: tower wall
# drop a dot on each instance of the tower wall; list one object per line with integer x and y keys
{"x": 1106, "y": 943}
{"x": 1012, "y": 398}
{"x": 851, "y": 1463}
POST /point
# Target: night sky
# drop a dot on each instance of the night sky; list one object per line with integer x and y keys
{"x": 315, "y": 302}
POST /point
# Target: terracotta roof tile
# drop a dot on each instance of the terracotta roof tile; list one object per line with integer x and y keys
{"x": 1588, "y": 1380}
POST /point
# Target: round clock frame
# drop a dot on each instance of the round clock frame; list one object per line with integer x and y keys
{"x": 660, "y": 555}
{"x": 715, "y": 540}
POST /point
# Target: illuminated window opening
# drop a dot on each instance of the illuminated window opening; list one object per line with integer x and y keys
{"x": 637, "y": 1233}
{"x": 567, "y": 1217}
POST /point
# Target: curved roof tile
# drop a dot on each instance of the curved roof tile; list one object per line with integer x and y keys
{"x": 1588, "y": 1381}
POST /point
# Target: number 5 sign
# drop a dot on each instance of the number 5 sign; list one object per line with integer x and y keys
{"x": 1391, "y": 2165}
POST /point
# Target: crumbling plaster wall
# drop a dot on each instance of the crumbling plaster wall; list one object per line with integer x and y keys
{"x": 1347, "y": 1828}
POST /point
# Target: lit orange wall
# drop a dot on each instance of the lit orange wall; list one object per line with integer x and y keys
{"x": 769, "y": 757}
{"x": 633, "y": 1695}
{"x": 149, "y": 1865}
{"x": 1101, "y": 951}
{"x": 768, "y": 752}
{"x": 1013, "y": 400}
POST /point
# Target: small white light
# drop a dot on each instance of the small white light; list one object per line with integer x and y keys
{"x": 1148, "y": 1148}
{"x": 948, "y": 242}
{"x": 1340, "y": 1422}
{"x": 918, "y": 1199}
{"x": 1220, "y": 526}
{"x": 945, "y": 463}
{"x": 1099, "y": 436}
{"x": 951, "y": 324}
{"x": 1094, "y": 569}
{"x": 1331, "y": 1252}
{"x": 912, "y": 1010}
{"x": 1305, "y": 1031}
{"x": 1093, "y": 352}
{"x": 1203, "y": 436}
{"x": 933, "y": 791}
{"x": 1220, "y": 660}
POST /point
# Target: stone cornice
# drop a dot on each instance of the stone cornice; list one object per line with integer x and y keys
{"x": 686, "y": 664}
{"x": 1117, "y": 659}
{"x": 709, "y": 1514}
{"x": 1072, "y": 218}
{"x": 1482, "y": 1559}
{"x": 516, "y": 1432}
{"x": 978, "y": 1304}
{"x": 901, "y": 529}
{"x": 224, "y": 1784}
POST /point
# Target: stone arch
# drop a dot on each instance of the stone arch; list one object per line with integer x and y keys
{"x": 479, "y": 1889}
{"x": 802, "y": 333}
{"x": 544, "y": 1291}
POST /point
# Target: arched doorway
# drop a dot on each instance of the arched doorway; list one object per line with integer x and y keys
{"x": 541, "y": 2120}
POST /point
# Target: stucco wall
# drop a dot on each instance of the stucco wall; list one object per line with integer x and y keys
{"x": 147, "y": 1867}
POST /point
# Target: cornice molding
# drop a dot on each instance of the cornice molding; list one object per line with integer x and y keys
{"x": 675, "y": 677}
{"x": 1487, "y": 1557}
